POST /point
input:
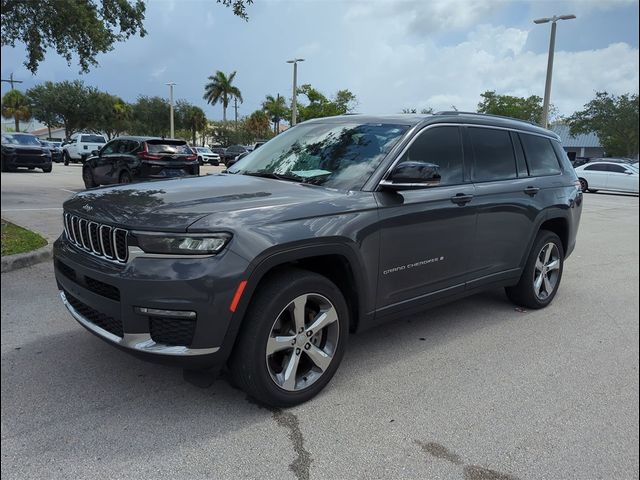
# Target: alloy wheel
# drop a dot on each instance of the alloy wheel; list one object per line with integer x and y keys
{"x": 547, "y": 271}
{"x": 302, "y": 342}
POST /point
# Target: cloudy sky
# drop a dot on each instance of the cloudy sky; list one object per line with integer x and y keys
{"x": 391, "y": 54}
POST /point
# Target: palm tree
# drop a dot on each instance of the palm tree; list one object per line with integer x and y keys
{"x": 15, "y": 105}
{"x": 220, "y": 90}
{"x": 276, "y": 108}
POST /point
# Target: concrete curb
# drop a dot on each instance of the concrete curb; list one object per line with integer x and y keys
{"x": 22, "y": 260}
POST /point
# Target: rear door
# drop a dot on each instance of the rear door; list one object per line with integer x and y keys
{"x": 427, "y": 234}
{"x": 505, "y": 203}
{"x": 596, "y": 175}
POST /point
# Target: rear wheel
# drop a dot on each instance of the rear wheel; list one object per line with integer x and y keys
{"x": 584, "y": 185}
{"x": 125, "y": 177}
{"x": 87, "y": 177}
{"x": 4, "y": 166}
{"x": 47, "y": 169}
{"x": 293, "y": 339}
{"x": 542, "y": 274}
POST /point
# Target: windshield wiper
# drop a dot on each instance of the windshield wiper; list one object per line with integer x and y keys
{"x": 276, "y": 176}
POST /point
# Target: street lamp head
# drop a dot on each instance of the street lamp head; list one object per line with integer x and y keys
{"x": 295, "y": 60}
{"x": 554, "y": 19}
{"x": 541, "y": 20}
{"x": 567, "y": 17}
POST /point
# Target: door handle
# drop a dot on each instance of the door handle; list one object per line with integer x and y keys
{"x": 461, "y": 198}
{"x": 531, "y": 191}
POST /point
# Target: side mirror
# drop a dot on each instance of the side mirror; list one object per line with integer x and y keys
{"x": 409, "y": 175}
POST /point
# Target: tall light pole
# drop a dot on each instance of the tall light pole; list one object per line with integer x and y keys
{"x": 171, "y": 85}
{"x": 552, "y": 44}
{"x": 295, "y": 87}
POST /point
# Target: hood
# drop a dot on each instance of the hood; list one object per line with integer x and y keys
{"x": 173, "y": 205}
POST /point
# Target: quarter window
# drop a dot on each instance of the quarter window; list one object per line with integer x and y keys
{"x": 441, "y": 146}
{"x": 540, "y": 156}
{"x": 493, "y": 153}
{"x": 617, "y": 168}
{"x": 110, "y": 147}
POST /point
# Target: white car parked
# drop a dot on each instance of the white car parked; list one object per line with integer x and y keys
{"x": 81, "y": 146}
{"x": 603, "y": 175}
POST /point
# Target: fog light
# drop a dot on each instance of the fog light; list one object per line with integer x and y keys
{"x": 157, "y": 312}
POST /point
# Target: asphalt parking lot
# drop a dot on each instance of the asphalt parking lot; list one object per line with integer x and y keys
{"x": 476, "y": 390}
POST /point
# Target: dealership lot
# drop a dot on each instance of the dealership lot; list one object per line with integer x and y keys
{"x": 473, "y": 390}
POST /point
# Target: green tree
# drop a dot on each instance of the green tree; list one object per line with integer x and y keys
{"x": 614, "y": 119}
{"x": 276, "y": 109}
{"x": 83, "y": 28}
{"x": 42, "y": 101}
{"x": 257, "y": 125}
{"x": 190, "y": 118}
{"x": 220, "y": 89}
{"x": 71, "y": 103}
{"x": 109, "y": 114}
{"x": 15, "y": 104}
{"x": 151, "y": 116}
{"x": 318, "y": 105}
{"x": 529, "y": 109}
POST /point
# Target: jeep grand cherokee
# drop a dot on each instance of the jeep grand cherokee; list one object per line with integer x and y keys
{"x": 329, "y": 228}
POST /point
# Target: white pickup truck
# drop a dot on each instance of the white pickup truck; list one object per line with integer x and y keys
{"x": 81, "y": 146}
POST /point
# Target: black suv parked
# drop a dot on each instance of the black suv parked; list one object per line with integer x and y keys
{"x": 333, "y": 226}
{"x": 24, "y": 150}
{"x": 128, "y": 159}
{"x": 232, "y": 152}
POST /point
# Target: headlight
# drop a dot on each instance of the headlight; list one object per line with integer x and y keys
{"x": 194, "y": 244}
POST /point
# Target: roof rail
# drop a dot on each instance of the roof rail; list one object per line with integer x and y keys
{"x": 456, "y": 112}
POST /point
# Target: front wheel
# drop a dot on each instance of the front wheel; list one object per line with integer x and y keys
{"x": 584, "y": 185}
{"x": 542, "y": 273}
{"x": 47, "y": 169}
{"x": 293, "y": 339}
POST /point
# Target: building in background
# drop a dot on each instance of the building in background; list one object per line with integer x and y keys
{"x": 580, "y": 146}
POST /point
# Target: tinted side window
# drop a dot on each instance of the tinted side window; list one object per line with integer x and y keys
{"x": 540, "y": 156}
{"x": 441, "y": 146}
{"x": 598, "y": 167}
{"x": 493, "y": 153}
{"x": 617, "y": 168}
{"x": 110, "y": 148}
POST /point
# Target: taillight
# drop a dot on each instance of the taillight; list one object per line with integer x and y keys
{"x": 145, "y": 155}
{"x": 191, "y": 158}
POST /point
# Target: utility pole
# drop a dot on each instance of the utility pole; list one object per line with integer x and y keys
{"x": 11, "y": 80}
{"x": 235, "y": 107}
{"x": 171, "y": 85}
{"x": 295, "y": 88}
{"x": 552, "y": 43}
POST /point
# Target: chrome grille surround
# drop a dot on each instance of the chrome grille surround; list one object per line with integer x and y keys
{"x": 101, "y": 240}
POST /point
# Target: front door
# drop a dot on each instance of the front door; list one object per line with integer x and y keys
{"x": 426, "y": 234}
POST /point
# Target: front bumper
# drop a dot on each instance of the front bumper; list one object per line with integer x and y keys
{"x": 31, "y": 161}
{"x": 106, "y": 298}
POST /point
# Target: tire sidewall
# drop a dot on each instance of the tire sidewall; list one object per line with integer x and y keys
{"x": 264, "y": 321}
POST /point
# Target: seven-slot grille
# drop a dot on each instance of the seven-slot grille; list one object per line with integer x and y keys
{"x": 101, "y": 240}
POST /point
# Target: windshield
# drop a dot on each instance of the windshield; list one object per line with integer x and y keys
{"x": 336, "y": 155}
{"x": 22, "y": 140}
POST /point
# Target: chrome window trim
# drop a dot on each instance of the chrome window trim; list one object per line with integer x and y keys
{"x": 457, "y": 124}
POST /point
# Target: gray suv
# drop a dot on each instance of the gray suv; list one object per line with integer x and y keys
{"x": 332, "y": 227}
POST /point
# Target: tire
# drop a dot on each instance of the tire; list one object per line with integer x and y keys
{"x": 263, "y": 375}
{"x": 584, "y": 185}
{"x": 542, "y": 273}
{"x": 3, "y": 166}
{"x": 88, "y": 179}
{"x": 125, "y": 177}
{"x": 66, "y": 157}
{"x": 200, "y": 161}
{"x": 47, "y": 169}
